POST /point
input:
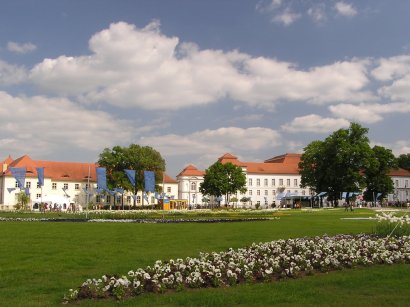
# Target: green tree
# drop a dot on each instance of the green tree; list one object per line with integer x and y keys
{"x": 22, "y": 201}
{"x": 134, "y": 157}
{"x": 223, "y": 180}
{"x": 404, "y": 161}
{"x": 334, "y": 165}
{"x": 376, "y": 173}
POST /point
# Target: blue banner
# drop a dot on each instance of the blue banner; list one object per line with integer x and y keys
{"x": 40, "y": 175}
{"x": 131, "y": 176}
{"x": 149, "y": 180}
{"x": 19, "y": 173}
{"x": 27, "y": 191}
{"x": 101, "y": 178}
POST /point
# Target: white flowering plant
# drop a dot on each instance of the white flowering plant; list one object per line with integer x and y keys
{"x": 268, "y": 261}
{"x": 391, "y": 224}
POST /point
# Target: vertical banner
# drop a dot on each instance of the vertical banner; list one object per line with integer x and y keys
{"x": 101, "y": 178}
{"x": 40, "y": 175}
{"x": 131, "y": 176}
{"x": 19, "y": 173}
{"x": 149, "y": 180}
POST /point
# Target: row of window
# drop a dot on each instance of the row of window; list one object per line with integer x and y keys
{"x": 266, "y": 192}
{"x": 273, "y": 182}
{"x": 406, "y": 184}
{"x": 53, "y": 185}
{"x": 128, "y": 199}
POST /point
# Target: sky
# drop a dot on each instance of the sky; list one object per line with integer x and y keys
{"x": 197, "y": 79}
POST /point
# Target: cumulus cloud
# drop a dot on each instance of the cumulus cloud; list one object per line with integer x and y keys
{"x": 11, "y": 74}
{"x": 55, "y": 123}
{"x": 317, "y": 13}
{"x": 131, "y": 67}
{"x": 315, "y": 124}
{"x": 368, "y": 113}
{"x": 345, "y": 9}
{"x": 286, "y": 18}
{"x": 207, "y": 144}
{"x": 392, "y": 68}
{"x": 21, "y": 47}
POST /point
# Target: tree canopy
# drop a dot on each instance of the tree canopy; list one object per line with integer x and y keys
{"x": 404, "y": 161}
{"x": 223, "y": 179}
{"x": 335, "y": 164}
{"x": 376, "y": 173}
{"x": 134, "y": 157}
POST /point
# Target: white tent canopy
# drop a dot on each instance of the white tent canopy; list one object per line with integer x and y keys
{"x": 54, "y": 199}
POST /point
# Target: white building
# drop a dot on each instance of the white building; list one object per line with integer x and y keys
{"x": 65, "y": 184}
{"x": 401, "y": 180}
{"x": 267, "y": 182}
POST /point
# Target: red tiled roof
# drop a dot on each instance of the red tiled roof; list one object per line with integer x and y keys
{"x": 168, "y": 179}
{"x": 191, "y": 170}
{"x": 400, "y": 172}
{"x": 63, "y": 171}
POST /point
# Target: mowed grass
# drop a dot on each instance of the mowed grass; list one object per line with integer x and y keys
{"x": 40, "y": 261}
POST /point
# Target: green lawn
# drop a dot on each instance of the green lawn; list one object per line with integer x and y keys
{"x": 40, "y": 261}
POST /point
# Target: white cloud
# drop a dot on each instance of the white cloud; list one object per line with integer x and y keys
{"x": 345, "y": 9}
{"x": 368, "y": 113}
{"x": 315, "y": 124}
{"x": 317, "y": 13}
{"x": 132, "y": 67}
{"x": 286, "y": 18}
{"x": 207, "y": 144}
{"x": 11, "y": 74}
{"x": 392, "y": 68}
{"x": 45, "y": 125}
{"x": 21, "y": 48}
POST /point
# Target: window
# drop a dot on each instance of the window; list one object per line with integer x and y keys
{"x": 65, "y": 186}
{"x": 54, "y": 185}
{"x": 258, "y": 192}
{"x": 258, "y": 182}
{"x": 273, "y": 182}
{"x": 258, "y": 202}
{"x": 108, "y": 197}
{"x": 38, "y": 196}
{"x": 98, "y": 199}
{"x": 303, "y": 192}
{"x": 138, "y": 199}
{"x": 266, "y": 192}
{"x": 16, "y": 185}
{"x": 38, "y": 185}
{"x": 250, "y": 182}
{"x": 265, "y": 182}
{"x": 77, "y": 186}
{"x": 152, "y": 199}
{"x": 280, "y": 181}
{"x": 28, "y": 184}
{"x": 168, "y": 189}
{"x": 118, "y": 199}
{"x": 295, "y": 182}
{"x": 288, "y": 182}
{"x": 406, "y": 184}
{"x": 273, "y": 192}
{"x": 128, "y": 199}
{"x": 87, "y": 186}
{"x": 193, "y": 186}
{"x": 250, "y": 192}
{"x": 397, "y": 183}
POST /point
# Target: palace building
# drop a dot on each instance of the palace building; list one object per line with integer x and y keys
{"x": 66, "y": 184}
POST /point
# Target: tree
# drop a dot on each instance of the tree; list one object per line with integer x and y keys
{"x": 22, "y": 201}
{"x": 404, "y": 161}
{"x": 334, "y": 165}
{"x": 376, "y": 173}
{"x": 223, "y": 180}
{"x": 134, "y": 157}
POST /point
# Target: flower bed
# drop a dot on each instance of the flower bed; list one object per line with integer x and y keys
{"x": 258, "y": 262}
{"x": 143, "y": 221}
{"x": 390, "y": 224}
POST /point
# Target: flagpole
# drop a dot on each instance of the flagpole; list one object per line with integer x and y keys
{"x": 88, "y": 193}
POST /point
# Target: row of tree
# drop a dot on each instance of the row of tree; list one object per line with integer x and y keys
{"x": 345, "y": 162}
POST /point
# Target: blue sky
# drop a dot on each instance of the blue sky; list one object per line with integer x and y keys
{"x": 196, "y": 79}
